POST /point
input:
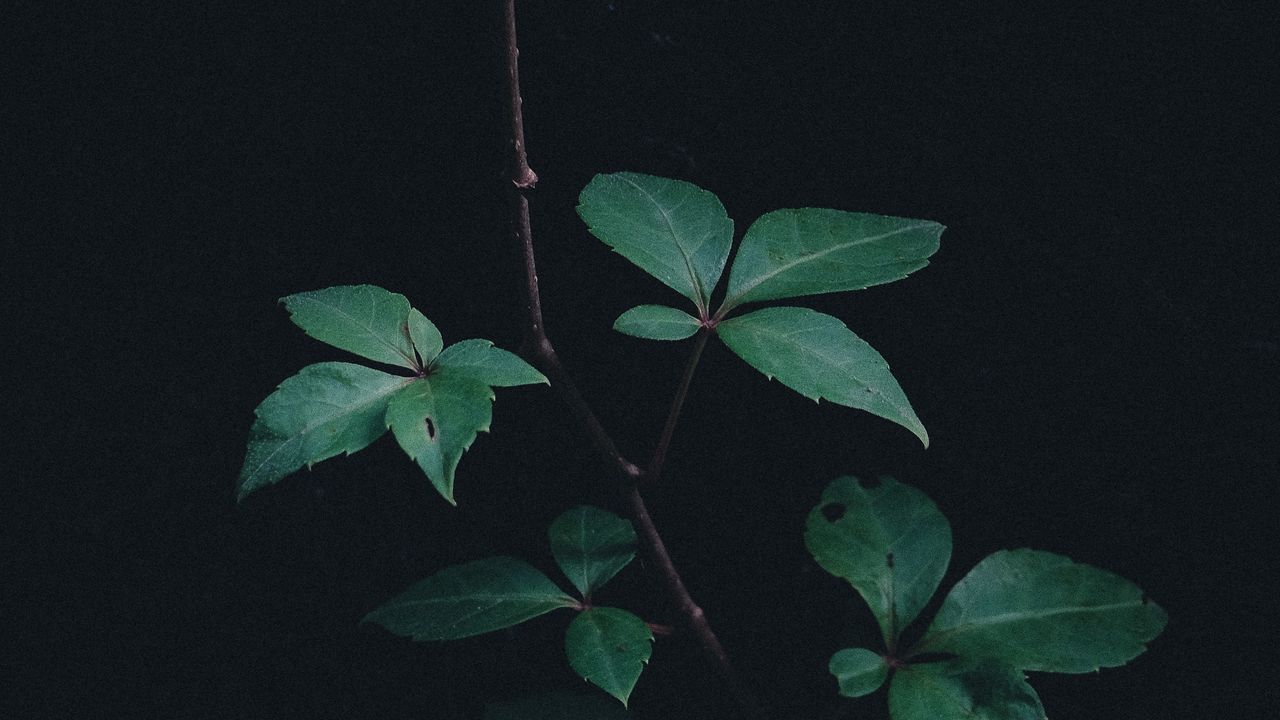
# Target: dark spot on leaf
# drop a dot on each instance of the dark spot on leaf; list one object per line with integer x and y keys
{"x": 888, "y": 560}
{"x": 431, "y": 430}
{"x": 833, "y": 511}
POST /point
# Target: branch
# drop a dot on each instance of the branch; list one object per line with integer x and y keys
{"x": 544, "y": 356}
{"x": 537, "y": 343}
{"x": 693, "y": 614}
{"x": 522, "y": 176}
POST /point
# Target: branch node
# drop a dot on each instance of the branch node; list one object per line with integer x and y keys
{"x": 526, "y": 178}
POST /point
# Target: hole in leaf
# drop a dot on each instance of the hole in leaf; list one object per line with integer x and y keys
{"x": 431, "y": 429}
{"x": 833, "y": 512}
{"x": 888, "y": 560}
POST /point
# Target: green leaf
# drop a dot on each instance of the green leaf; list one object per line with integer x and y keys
{"x": 326, "y": 409}
{"x": 426, "y": 338}
{"x": 962, "y": 690}
{"x": 807, "y": 251}
{"x": 363, "y": 319}
{"x": 436, "y": 418}
{"x": 480, "y": 360}
{"x": 557, "y": 706}
{"x": 609, "y": 648}
{"x": 591, "y": 545}
{"x": 818, "y": 357}
{"x": 1039, "y": 611}
{"x": 673, "y": 230}
{"x": 889, "y": 541}
{"x": 471, "y": 599}
{"x": 859, "y": 671}
{"x": 657, "y": 322}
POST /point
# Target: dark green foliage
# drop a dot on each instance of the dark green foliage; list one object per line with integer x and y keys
{"x": 1016, "y": 610}
{"x": 332, "y": 408}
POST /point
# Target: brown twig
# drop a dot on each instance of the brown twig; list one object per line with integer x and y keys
{"x": 522, "y": 176}
{"x": 693, "y": 614}
{"x": 544, "y": 356}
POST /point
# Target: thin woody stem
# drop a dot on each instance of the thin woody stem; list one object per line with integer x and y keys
{"x": 693, "y": 614}
{"x": 538, "y": 344}
{"x": 522, "y": 176}
{"x": 543, "y": 354}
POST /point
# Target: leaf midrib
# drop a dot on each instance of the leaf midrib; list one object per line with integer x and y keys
{"x": 369, "y": 331}
{"x": 737, "y": 298}
{"x": 1018, "y": 616}
{"x": 830, "y": 361}
{"x": 684, "y": 257}
{"x": 349, "y": 409}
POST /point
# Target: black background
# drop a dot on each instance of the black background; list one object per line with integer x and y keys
{"x": 1092, "y": 349}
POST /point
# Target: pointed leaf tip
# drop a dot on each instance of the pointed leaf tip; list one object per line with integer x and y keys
{"x": 325, "y": 410}
{"x": 808, "y": 251}
{"x": 657, "y": 322}
{"x": 609, "y": 649}
{"x": 471, "y": 599}
{"x": 480, "y": 360}
{"x": 591, "y": 546}
{"x": 435, "y": 419}
{"x": 424, "y": 336}
{"x": 1035, "y": 610}
{"x": 819, "y": 357}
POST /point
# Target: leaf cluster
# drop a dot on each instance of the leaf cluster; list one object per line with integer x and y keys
{"x": 681, "y": 235}
{"x": 607, "y": 646}
{"x": 1016, "y": 610}
{"x": 332, "y": 408}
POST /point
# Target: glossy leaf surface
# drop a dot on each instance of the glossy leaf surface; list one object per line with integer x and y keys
{"x": 673, "y": 230}
{"x": 558, "y": 706}
{"x": 609, "y": 648}
{"x": 657, "y": 322}
{"x": 889, "y": 541}
{"x": 480, "y": 360}
{"x": 859, "y": 671}
{"x": 591, "y": 545}
{"x": 364, "y": 319}
{"x": 1036, "y": 610}
{"x": 962, "y": 690}
{"x": 806, "y": 251}
{"x": 818, "y": 357}
{"x": 324, "y": 410}
{"x": 471, "y": 599}
{"x": 435, "y": 419}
